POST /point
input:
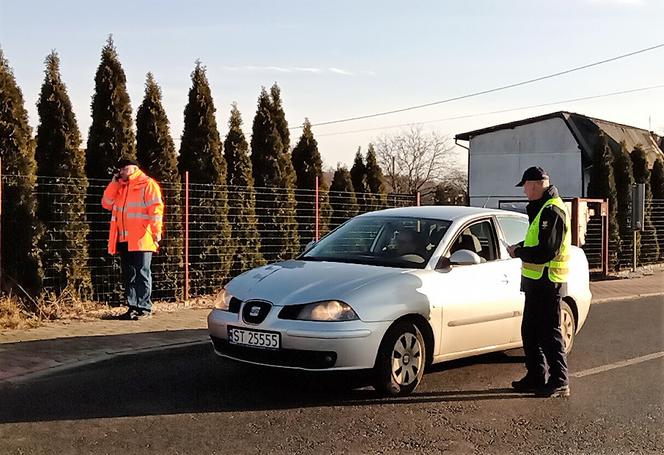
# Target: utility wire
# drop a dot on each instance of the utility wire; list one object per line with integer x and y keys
{"x": 484, "y": 92}
{"x": 502, "y": 111}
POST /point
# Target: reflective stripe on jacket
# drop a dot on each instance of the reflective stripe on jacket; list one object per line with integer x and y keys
{"x": 559, "y": 265}
{"x": 137, "y": 210}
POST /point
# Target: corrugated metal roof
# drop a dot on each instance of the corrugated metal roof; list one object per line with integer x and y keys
{"x": 510, "y": 125}
{"x": 586, "y": 132}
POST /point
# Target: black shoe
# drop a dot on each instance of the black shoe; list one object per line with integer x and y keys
{"x": 527, "y": 384}
{"x": 553, "y": 391}
{"x": 140, "y": 315}
{"x": 129, "y": 315}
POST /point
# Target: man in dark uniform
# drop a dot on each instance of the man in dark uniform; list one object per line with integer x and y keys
{"x": 545, "y": 257}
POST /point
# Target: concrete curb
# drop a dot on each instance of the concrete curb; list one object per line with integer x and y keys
{"x": 626, "y": 297}
{"x": 99, "y": 358}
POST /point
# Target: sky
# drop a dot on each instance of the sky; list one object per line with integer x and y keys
{"x": 341, "y": 59}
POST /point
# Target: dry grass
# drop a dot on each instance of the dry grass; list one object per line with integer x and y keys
{"x": 24, "y": 313}
{"x": 13, "y": 314}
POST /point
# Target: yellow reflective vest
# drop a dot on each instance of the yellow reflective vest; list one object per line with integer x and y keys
{"x": 559, "y": 265}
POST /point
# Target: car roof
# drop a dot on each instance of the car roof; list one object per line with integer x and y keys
{"x": 442, "y": 212}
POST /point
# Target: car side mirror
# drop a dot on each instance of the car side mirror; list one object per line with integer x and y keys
{"x": 443, "y": 263}
{"x": 465, "y": 257}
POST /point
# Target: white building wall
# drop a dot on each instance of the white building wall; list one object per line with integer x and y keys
{"x": 498, "y": 159}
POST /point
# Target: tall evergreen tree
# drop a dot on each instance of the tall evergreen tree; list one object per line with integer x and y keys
{"x": 657, "y": 188}
{"x": 648, "y": 246}
{"x": 156, "y": 154}
{"x": 281, "y": 125}
{"x": 279, "y": 116}
{"x": 308, "y": 165}
{"x": 342, "y": 197}
{"x": 111, "y": 136}
{"x": 274, "y": 180}
{"x": 624, "y": 178}
{"x": 324, "y": 209}
{"x": 62, "y": 187}
{"x": 602, "y": 185}
{"x": 358, "y": 175}
{"x": 657, "y": 179}
{"x": 211, "y": 246}
{"x": 21, "y": 230}
{"x": 375, "y": 182}
{"x": 242, "y": 203}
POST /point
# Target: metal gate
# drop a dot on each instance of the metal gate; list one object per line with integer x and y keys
{"x": 590, "y": 228}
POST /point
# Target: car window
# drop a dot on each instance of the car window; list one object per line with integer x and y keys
{"x": 514, "y": 228}
{"x": 387, "y": 241}
{"x": 479, "y": 238}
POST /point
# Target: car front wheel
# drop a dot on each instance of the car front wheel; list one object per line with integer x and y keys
{"x": 400, "y": 361}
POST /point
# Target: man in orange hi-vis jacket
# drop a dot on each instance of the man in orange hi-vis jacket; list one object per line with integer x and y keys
{"x": 136, "y": 226}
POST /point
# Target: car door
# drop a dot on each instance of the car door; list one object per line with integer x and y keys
{"x": 479, "y": 301}
{"x": 512, "y": 229}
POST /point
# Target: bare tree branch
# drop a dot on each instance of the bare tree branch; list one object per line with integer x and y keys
{"x": 412, "y": 159}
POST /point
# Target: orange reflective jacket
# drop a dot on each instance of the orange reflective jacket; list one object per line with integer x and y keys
{"x": 137, "y": 211}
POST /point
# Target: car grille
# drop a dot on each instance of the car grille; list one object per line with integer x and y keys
{"x": 294, "y": 358}
{"x": 255, "y": 311}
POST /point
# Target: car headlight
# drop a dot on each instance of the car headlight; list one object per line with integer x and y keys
{"x": 329, "y": 310}
{"x": 222, "y": 300}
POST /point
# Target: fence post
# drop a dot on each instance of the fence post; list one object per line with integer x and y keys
{"x": 418, "y": 198}
{"x": 634, "y": 251}
{"x": 0, "y": 224}
{"x": 186, "y": 236}
{"x": 605, "y": 237}
{"x": 316, "y": 209}
{"x": 575, "y": 221}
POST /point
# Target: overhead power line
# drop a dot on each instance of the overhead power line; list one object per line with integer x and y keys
{"x": 502, "y": 111}
{"x": 493, "y": 90}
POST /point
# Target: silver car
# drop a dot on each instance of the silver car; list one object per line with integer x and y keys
{"x": 392, "y": 291}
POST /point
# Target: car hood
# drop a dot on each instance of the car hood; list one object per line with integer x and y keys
{"x": 294, "y": 282}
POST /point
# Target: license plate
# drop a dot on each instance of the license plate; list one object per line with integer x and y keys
{"x": 255, "y": 338}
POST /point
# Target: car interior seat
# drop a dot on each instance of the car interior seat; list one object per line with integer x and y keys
{"x": 468, "y": 241}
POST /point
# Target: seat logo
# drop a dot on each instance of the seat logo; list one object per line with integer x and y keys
{"x": 254, "y": 311}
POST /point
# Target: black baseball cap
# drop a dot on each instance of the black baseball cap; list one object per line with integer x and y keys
{"x": 533, "y": 173}
{"x": 126, "y": 161}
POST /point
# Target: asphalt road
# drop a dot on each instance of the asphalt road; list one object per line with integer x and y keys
{"x": 188, "y": 401}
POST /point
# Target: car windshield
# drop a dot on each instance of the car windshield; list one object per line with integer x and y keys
{"x": 386, "y": 241}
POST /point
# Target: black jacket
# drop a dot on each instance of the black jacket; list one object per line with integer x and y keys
{"x": 551, "y": 230}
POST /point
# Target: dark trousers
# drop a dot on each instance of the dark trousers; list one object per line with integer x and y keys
{"x": 136, "y": 277}
{"x": 540, "y": 331}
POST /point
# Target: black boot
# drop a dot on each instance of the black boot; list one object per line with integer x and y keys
{"x": 528, "y": 384}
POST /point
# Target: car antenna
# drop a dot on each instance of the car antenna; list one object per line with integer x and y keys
{"x": 485, "y": 202}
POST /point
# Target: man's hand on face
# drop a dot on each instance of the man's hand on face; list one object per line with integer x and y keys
{"x": 123, "y": 173}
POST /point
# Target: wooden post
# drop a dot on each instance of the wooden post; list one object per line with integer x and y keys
{"x": 575, "y": 221}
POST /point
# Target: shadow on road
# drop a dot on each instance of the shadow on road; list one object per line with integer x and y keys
{"x": 193, "y": 380}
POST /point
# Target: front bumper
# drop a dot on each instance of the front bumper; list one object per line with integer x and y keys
{"x": 305, "y": 345}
